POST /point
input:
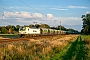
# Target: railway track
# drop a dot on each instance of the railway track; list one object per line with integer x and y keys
{"x": 12, "y": 40}
{"x": 3, "y": 40}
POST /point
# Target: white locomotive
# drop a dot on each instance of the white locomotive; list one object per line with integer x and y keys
{"x": 27, "y": 31}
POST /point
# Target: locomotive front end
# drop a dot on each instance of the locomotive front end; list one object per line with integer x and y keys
{"x": 22, "y": 31}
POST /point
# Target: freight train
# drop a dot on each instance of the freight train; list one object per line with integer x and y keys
{"x": 28, "y": 32}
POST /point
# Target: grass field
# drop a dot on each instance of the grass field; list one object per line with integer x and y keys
{"x": 42, "y": 49}
{"x": 76, "y": 48}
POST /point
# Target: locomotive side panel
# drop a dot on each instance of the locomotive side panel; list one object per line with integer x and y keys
{"x": 33, "y": 31}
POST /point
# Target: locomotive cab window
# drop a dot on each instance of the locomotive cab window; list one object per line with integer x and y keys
{"x": 22, "y": 29}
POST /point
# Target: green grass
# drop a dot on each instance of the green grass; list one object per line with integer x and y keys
{"x": 57, "y": 54}
{"x": 9, "y": 35}
{"x": 86, "y": 36}
{"x": 86, "y": 39}
{"x": 77, "y": 51}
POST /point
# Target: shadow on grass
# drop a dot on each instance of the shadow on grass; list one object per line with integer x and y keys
{"x": 77, "y": 51}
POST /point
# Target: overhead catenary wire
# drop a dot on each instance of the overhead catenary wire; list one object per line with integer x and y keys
{"x": 31, "y": 7}
{"x": 25, "y": 4}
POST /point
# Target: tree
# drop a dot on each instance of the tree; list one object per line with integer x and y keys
{"x": 54, "y": 28}
{"x": 44, "y": 26}
{"x": 10, "y": 31}
{"x": 17, "y": 27}
{"x": 62, "y": 28}
{"x": 11, "y": 28}
{"x": 37, "y": 25}
{"x": 0, "y": 29}
{"x": 86, "y": 24}
{"x": 4, "y": 30}
{"x": 31, "y": 25}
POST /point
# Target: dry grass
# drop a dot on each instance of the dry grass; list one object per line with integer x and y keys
{"x": 36, "y": 48}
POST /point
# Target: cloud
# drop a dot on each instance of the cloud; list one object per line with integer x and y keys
{"x": 67, "y": 18}
{"x": 49, "y": 16}
{"x": 87, "y": 12}
{"x": 59, "y": 8}
{"x": 26, "y": 18}
{"x": 77, "y": 6}
{"x": 37, "y": 15}
{"x": 24, "y": 7}
{"x": 68, "y": 7}
{"x": 22, "y": 15}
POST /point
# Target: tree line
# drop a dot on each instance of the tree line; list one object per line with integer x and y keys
{"x": 11, "y": 29}
{"x": 86, "y": 24}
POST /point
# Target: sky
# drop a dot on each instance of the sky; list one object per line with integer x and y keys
{"x": 51, "y": 12}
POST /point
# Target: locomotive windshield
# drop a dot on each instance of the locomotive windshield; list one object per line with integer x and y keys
{"x": 22, "y": 29}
